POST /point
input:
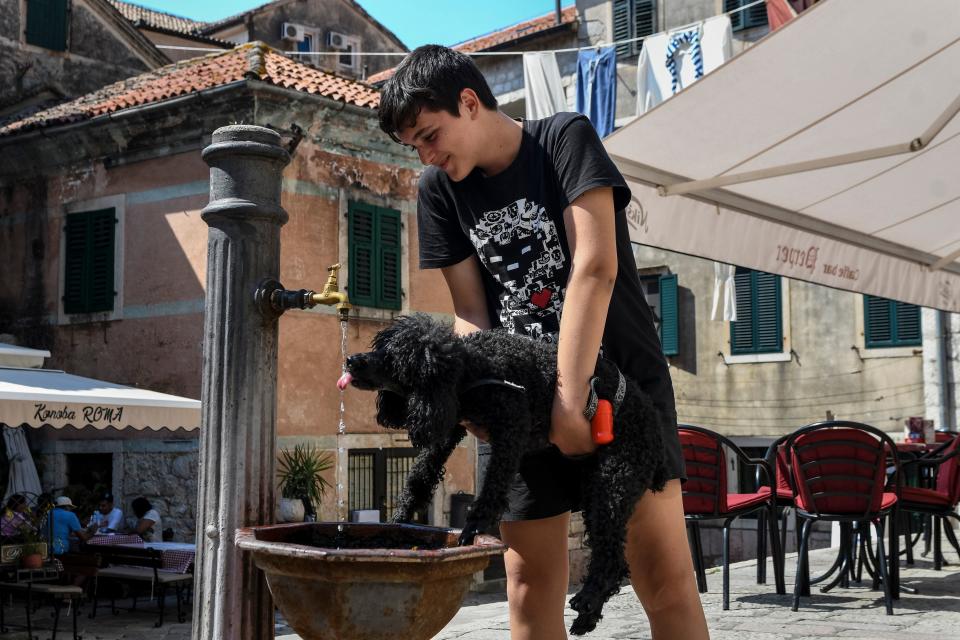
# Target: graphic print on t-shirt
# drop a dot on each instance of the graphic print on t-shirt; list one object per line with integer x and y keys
{"x": 519, "y": 246}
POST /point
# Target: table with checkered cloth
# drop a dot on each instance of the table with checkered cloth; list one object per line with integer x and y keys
{"x": 177, "y": 556}
{"x": 116, "y": 539}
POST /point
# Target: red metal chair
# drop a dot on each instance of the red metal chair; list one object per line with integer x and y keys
{"x": 839, "y": 474}
{"x": 938, "y": 501}
{"x": 705, "y": 497}
{"x": 776, "y": 457}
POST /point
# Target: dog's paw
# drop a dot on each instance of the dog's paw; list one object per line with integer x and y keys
{"x": 584, "y": 623}
{"x": 588, "y": 607}
{"x": 468, "y": 534}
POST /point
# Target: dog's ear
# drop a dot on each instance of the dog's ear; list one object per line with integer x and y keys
{"x": 431, "y": 415}
{"x": 391, "y": 410}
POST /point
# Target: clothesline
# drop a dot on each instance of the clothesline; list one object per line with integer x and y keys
{"x": 484, "y": 53}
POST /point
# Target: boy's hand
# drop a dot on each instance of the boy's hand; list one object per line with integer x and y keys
{"x": 569, "y": 429}
{"x": 479, "y": 432}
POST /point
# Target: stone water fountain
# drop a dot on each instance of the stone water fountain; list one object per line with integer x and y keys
{"x": 332, "y": 581}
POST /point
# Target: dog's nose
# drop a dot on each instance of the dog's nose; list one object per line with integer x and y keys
{"x": 354, "y": 362}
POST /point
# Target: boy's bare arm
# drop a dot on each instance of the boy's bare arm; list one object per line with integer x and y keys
{"x": 466, "y": 289}
{"x": 591, "y": 235}
{"x": 469, "y": 308}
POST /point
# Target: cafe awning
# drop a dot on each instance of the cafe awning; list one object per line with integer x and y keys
{"x": 828, "y": 152}
{"x": 45, "y": 397}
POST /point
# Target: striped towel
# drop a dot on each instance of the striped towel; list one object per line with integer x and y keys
{"x": 676, "y": 41}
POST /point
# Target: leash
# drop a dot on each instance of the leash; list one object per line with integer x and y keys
{"x": 594, "y": 400}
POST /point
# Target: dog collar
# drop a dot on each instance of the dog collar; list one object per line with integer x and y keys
{"x": 594, "y": 398}
{"x": 482, "y": 382}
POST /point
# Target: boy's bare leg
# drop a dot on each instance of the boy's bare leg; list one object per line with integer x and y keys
{"x": 537, "y": 573}
{"x": 661, "y": 567}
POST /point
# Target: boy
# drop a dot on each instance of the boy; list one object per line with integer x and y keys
{"x": 526, "y": 222}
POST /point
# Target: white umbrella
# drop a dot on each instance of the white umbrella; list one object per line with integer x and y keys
{"x": 23, "y": 477}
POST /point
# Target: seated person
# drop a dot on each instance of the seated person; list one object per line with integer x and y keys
{"x": 66, "y": 526}
{"x": 15, "y": 519}
{"x": 107, "y": 517}
{"x": 148, "y": 525}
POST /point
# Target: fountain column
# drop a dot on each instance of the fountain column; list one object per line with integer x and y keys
{"x": 238, "y": 427}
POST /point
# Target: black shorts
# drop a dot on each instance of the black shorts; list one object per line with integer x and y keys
{"x": 549, "y": 483}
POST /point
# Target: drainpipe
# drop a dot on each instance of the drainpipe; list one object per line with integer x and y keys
{"x": 946, "y": 399}
{"x": 238, "y": 420}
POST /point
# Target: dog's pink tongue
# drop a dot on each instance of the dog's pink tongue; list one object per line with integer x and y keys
{"x": 344, "y": 381}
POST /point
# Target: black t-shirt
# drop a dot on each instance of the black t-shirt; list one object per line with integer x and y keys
{"x": 513, "y": 221}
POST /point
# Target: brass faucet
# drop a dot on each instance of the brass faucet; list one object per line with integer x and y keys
{"x": 331, "y": 294}
{"x": 272, "y": 299}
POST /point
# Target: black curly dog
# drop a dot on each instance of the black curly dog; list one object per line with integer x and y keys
{"x": 429, "y": 380}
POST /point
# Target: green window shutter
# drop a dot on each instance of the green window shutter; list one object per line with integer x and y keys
{"x": 669, "y": 315}
{"x": 361, "y": 238}
{"x": 89, "y": 261}
{"x": 73, "y": 271}
{"x": 768, "y": 318}
{"x": 388, "y": 245}
{"x": 47, "y": 24}
{"x": 755, "y": 16}
{"x": 374, "y": 246}
{"x": 888, "y": 323}
{"x": 621, "y": 26}
{"x": 644, "y": 20}
{"x": 759, "y": 324}
{"x": 741, "y": 331}
{"x": 908, "y": 324}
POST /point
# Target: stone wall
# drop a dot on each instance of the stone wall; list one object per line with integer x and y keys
{"x": 163, "y": 467}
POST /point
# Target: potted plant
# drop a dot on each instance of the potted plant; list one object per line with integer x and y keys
{"x": 34, "y": 547}
{"x": 301, "y": 484}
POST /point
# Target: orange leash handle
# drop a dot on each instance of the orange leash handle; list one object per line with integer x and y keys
{"x": 601, "y": 426}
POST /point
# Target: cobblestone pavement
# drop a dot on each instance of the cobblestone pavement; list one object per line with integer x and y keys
{"x": 756, "y": 612}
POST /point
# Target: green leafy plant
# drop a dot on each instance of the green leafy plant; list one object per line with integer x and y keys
{"x": 300, "y": 470}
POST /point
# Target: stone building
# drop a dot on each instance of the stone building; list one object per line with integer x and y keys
{"x": 130, "y": 153}
{"x": 323, "y": 33}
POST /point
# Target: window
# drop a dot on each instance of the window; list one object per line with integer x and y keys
{"x": 89, "y": 261}
{"x": 374, "y": 250}
{"x": 888, "y": 323}
{"x": 633, "y": 19}
{"x": 346, "y": 60}
{"x": 47, "y": 24}
{"x": 661, "y": 294}
{"x": 305, "y": 45}
{"x": 755, "y": 16}
{"x": 759, "y": 324}
{"x": 377, "y": 477}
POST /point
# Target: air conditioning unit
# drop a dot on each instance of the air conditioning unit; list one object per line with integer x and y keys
{"x": 336, "y": 40}
{"x": 293, "y": 32}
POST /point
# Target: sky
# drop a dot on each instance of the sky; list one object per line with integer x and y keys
{"x": 415, "y": 22}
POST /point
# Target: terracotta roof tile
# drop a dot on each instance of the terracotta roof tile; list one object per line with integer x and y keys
{"x": 519, "y": 30}
{"x": 150, "y": 18}
{"x": 568, "y": 16}
{"x": 254, "y": 60}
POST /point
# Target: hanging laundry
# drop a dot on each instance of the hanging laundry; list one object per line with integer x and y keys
{"x": 724, "y": 292}
{"x": 542, "y": 86}
{"x": 695, "y": 53}
{"x": 655, "y": 81}
{"x": 597, "y": 87}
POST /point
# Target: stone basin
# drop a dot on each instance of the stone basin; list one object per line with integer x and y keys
{"x": 366, "y": 581}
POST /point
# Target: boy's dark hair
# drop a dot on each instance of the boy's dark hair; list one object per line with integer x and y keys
{"x": 431, "y": 77}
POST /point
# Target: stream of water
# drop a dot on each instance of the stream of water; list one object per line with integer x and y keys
{"x": 341, "y": 429}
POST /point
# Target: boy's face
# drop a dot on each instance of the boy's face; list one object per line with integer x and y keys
{"x": 445, "y": 141}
